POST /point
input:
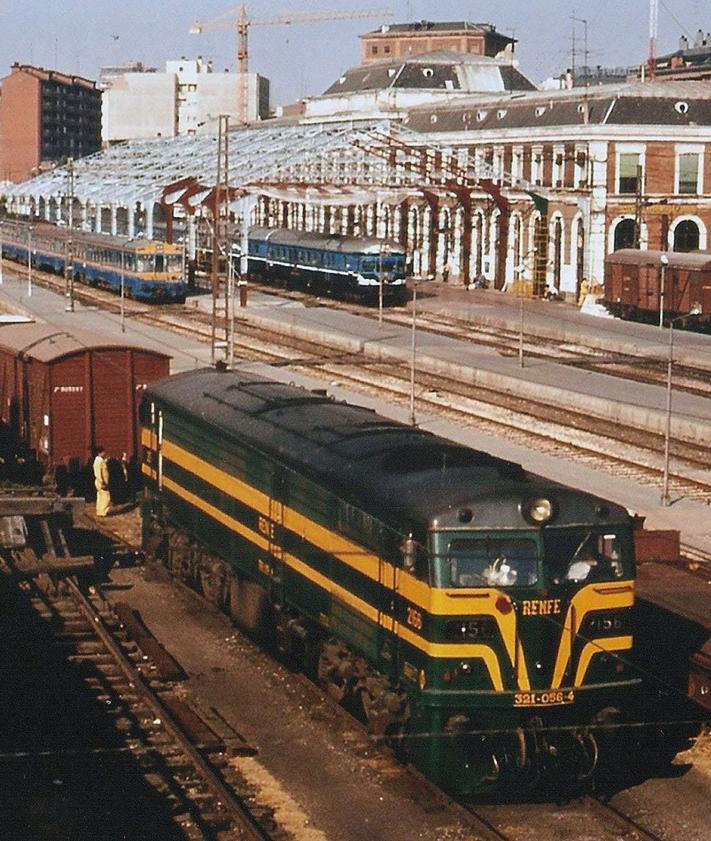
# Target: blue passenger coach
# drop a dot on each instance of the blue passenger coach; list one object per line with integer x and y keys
{"x": 328, "y": 263}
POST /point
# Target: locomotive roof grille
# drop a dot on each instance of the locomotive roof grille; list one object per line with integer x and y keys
{"x": 420, "y": 457}
{"x": 397, "y": 473}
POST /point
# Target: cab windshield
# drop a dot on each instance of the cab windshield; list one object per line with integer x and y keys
{"x": 583, "y": 555}
{"x": 387, "y": 265}
{"x": 175, "y": 262}
{"x": 493, "y": 562}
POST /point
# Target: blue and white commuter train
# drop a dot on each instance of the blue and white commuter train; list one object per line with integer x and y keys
{"x": 148, "y": 270}
{"x": 329, "y": 264}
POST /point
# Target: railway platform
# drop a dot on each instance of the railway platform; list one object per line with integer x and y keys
{"x": 563, "y": 322}
{"x": 601, "y": 395}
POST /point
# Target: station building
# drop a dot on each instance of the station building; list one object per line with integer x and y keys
{"x": 453, "y": 154}
{"x": 45, "y": 116}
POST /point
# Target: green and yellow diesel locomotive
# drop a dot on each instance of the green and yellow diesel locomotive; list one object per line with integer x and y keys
{"x": 475, "y": 613}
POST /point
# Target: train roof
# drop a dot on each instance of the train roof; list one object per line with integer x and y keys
{"x": 403, "y": 475}
{"x": 47, "y": 343}
{"x": 47, "y": 229}
{"x": 329, "y": 242}
{"x": 679, "y": 259}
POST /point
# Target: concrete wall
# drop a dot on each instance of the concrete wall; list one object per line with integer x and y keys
{"x": 218, "y": 93}
{"x": 140, "y": 106}
{"x": 185, "y": 100}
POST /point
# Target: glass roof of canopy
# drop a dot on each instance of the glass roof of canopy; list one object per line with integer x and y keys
{"x": 141, "y": 170}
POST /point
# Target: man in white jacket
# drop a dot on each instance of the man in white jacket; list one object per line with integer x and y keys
{"x": 101, "y": 482}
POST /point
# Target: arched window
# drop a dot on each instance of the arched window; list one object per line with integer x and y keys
{"x": 624, "y": 234}
{"x": 557, "y": 251}
{"x": 579, "y": 258}
{"x": 479, "y": 235}
{"x": 686, "y": 236}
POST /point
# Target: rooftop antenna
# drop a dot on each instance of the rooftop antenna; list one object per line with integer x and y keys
{"x": 586, "y": 51}
{"x": 652, "y": 60}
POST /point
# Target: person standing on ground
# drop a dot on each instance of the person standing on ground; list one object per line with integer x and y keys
{"x": 445, "y": 272}
{"x": 101, "y": 483}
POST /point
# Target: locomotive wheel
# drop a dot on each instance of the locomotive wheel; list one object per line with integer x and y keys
{"x": 212, "y": 581}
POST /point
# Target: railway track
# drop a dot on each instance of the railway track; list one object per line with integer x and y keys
{"x": 624, "y": 366}
{"x": 612, "y": 448}
{"x": 587, "y": 816}
{"x": 621, "y": 451}
{"x": 506, "y": 342}
{"x": 152, "y": 734}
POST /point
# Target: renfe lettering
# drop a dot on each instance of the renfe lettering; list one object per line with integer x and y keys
{"x": 540, "y": 607}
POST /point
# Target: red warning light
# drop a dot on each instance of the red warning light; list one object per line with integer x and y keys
{"x": 503, "y": 605}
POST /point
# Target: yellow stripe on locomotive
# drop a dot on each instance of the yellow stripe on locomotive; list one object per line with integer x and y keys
{"x": 421, "y": 598}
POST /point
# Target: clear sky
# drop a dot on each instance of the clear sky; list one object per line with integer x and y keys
{"x": 79, "y": 36}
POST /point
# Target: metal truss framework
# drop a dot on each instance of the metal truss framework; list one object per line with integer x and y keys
{"x": 321, "y": 164}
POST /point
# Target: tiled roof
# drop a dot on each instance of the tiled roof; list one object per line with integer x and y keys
{"x": 438, "y": 70}
{"x": 54, "y": 75}
{"x": 629, "y": 103}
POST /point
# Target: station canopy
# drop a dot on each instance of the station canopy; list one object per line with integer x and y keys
{"x": 321, "y": 163}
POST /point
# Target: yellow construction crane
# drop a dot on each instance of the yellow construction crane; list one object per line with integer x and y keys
{"x": 237, "y": 18}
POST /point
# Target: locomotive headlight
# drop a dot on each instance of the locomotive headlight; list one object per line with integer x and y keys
{"x": 538, "y": 511}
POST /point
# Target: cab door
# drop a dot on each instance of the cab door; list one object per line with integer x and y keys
{"x": 388, "y": 648}
{"x": 273, "y": 530}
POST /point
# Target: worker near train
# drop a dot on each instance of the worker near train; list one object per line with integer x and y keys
{"x": 101, "y": 482}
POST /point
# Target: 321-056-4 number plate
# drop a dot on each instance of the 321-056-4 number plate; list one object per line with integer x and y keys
{"x": 543, "y": 699}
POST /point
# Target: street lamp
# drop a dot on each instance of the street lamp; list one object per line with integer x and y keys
{"x": 29, "y": 261}
{"x": 413, "y": 353}
{"x": 520, "y": 270}
{"x": 695, "y": 310}
{"x": 521, "y": 362}
{"x": 123, "y": 287}
{"x": 123, "y": 283}
{"x": 69, "y": 274}
{"x": 384, "y": 251}
{"x": 664, "y": 260}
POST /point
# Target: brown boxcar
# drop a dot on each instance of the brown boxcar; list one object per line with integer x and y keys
{"x": 633, "y": 281}
{"x": 62, "y": 394}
